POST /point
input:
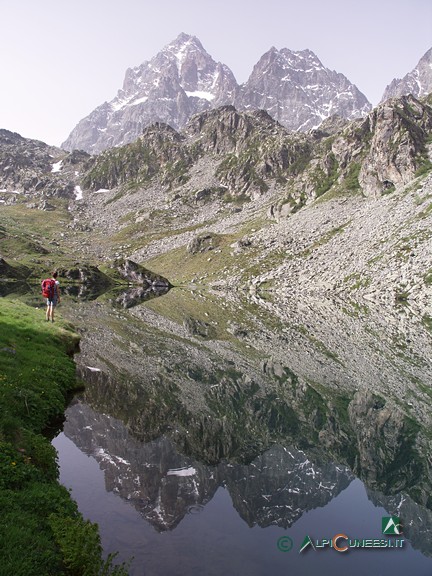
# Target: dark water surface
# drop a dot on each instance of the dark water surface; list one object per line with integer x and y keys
{"x": 215, "y": 539}
{"x": 215, "y": 437}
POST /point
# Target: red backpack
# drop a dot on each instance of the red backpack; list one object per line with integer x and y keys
{"x": 48, "y": 287}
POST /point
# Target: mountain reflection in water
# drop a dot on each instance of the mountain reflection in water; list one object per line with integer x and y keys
{"x": 279, "y": 406}
{"x": 164, "y": 485}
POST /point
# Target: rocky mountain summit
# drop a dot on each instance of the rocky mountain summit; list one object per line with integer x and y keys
{"x": 183, "y": 79}
{"x": 298, "y": 91}
{"x": 179, "y": 81}
{"x": 418, "y": 82}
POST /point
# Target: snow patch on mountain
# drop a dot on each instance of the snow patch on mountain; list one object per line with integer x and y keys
{"x": 201, "y": 94}
{"x": 190, "y": 471}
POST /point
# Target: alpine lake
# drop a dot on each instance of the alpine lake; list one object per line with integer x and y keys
{"x": 250, "y": 434}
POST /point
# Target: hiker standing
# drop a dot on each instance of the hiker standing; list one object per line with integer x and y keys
{"x": 51, "y": 291}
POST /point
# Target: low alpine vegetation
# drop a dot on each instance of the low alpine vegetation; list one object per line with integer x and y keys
{"x": 42, "y": 531}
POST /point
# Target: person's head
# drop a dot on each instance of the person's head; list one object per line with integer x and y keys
{"x": 54, "y": 274}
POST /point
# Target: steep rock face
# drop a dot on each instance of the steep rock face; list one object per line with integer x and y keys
{"x": 385, "y": 149}
{"x": 279, "y": 486}
{"x": 253, "y": 148}
{"x": 276, "y": 488}
{"x": 418, "y": 82}
{"x": 398, "y": 146}
{"x": 180, "y": 81}
{"x": 299, "y": 92}
{"x": 183, "y": 80}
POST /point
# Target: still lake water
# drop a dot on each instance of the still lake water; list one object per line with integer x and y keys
{"x": 213, "y": 438}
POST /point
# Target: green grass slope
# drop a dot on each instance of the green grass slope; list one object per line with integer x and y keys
{"x": 41, "y": 533}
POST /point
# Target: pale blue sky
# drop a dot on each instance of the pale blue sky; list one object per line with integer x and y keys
{"x": 60, "y": 59}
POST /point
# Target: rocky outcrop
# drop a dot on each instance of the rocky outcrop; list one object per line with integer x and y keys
{"x": 160, "y": 151}
{"x": 253, "y": 149}
{"x": 381, "y": 152}
{"x": 250, "y": 149}
{"x": 8, "y": 272}
{"x": 31, "y": 167}
{"x": 202, "y": 243}
{"x": 399, "y": 131}
{"x": 247, "y": 152}
{"x": 85, "y": 281}
{"x": 136, "y": 274}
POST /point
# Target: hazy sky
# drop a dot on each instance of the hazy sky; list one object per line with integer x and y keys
{"x": 62, "y": 58}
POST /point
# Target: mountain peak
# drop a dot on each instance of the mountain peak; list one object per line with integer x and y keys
{"x": 183, "y": 46}
{"x": 183, "y": 80}
{"x": 184, "y": 38}
{"x": 418, "y": 82}
{"x": 299, "y": 92}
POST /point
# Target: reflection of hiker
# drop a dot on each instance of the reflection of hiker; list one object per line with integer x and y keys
{"x": 51, "y": 291}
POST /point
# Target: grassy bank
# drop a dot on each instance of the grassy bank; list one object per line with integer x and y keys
{"x": 42, "y": 532}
